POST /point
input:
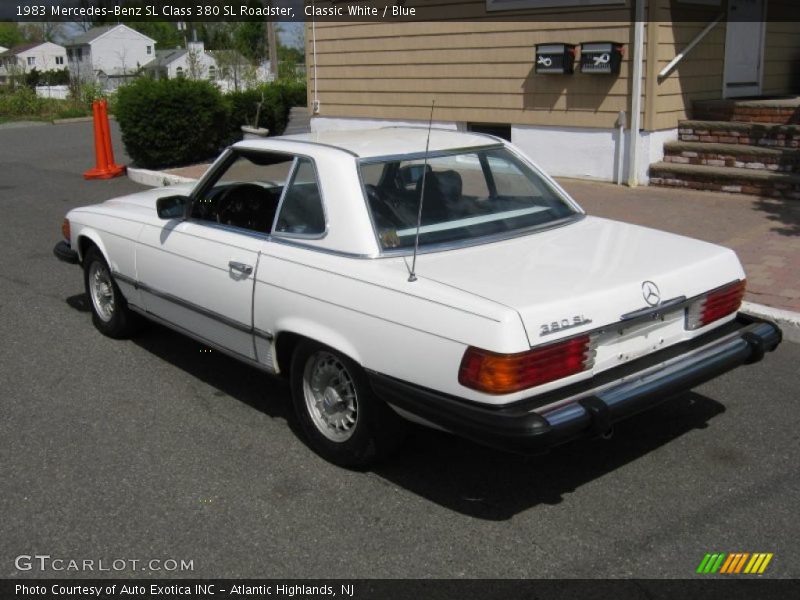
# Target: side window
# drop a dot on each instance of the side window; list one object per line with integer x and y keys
{"x": 301, "y": 212}
{"x": 246, "y": 192}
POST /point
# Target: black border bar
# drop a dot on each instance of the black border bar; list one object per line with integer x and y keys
{"x": 374, "y": 11}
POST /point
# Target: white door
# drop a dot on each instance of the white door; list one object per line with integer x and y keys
{"x": 744, "y": 44}
{"x": 199, "y": 277}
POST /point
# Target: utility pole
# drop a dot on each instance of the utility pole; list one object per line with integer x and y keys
{"x": 272, "y": 46}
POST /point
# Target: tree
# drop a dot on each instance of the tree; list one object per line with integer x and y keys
{"x": 234, "y": 68}
{"x": 165, "y": 34}
{"x": 10, "y": 35}
{"x": 195, "y": 64}
{"x": 42, "y": 31}
{"x": 249, "y": 38}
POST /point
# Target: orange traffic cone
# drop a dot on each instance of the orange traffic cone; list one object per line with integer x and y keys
{"x": 104, "y": 153}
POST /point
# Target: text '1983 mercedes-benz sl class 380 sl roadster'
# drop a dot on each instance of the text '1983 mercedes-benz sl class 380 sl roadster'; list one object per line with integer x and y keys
{"x": 408, "y": 274}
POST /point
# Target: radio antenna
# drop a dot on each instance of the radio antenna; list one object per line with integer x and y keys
{"x": 412, "y": 277}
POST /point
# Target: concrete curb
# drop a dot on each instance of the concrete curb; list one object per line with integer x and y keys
{"x": 156, "y": 178}
{"x": 72, "y": 120}
{"x": 788, "y": 321}
{"x": 78, "y": 120}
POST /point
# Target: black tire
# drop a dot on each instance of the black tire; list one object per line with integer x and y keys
{"x": 377, "y": 431}
{"x": 110, "y": 313}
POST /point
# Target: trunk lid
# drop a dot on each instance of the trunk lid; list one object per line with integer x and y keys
{"x": 585, "y": 275}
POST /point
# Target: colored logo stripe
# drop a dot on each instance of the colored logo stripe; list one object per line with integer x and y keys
{"x": 735, "y": 562}
{"x": 711, "y": 563}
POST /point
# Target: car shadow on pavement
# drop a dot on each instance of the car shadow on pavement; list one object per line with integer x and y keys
{"x": 447, "y": 470}
{"x": 227, "y": 375}
{"x": 494, "y": 485}
{"x": 79, "y": 302}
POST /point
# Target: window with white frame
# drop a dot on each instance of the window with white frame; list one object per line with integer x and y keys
{"x": 212, "y": 72}
{"x": 179, "y": 72}
{"x": 149, "y": 50}
{"x": 31, "y": 61}
{"x": 59, "y": 60}
{"x": 521, "y": 4}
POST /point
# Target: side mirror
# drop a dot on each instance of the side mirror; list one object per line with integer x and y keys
{"x": 173, "y": 207}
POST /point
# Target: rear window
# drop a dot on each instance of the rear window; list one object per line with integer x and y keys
{"x": 466, "y": 196}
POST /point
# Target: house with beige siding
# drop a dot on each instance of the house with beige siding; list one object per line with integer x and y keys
{"x": 481, "y": 71}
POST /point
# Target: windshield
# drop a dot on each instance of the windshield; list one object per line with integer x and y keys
{"x": 467, "y": 196}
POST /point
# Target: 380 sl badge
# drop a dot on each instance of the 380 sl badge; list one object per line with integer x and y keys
{"x": 554, "y": 326}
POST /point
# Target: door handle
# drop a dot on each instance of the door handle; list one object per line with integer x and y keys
{"x": 240, "y": 267}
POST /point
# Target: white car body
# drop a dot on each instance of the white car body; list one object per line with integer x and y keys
{"x": 504, "y": 295}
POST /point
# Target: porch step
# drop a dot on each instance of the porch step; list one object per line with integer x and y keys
{"x": 759, "y": 110}
{"x": 784, "y": 160}
{"x": 727, "y": 179}
{"x": 730, "y": 132}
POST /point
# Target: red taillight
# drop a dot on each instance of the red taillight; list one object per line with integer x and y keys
{"x": 717, "y": 304}
{"x": 65, "y": 229}
{"x": 505, "y": 373}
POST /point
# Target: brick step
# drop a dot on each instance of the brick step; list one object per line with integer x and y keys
{"x": 727, "y": 179}
{"x": 747, "y": 134}
{"x": 784, "y": 111}
{"x": 769, "y": 158}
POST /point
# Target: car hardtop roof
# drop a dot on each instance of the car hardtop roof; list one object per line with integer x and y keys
{"x": 389, "y": 141}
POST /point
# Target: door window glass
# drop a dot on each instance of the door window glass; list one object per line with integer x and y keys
{"x": 301, "y": 211}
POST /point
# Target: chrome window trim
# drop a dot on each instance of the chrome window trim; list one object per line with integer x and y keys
{"x": 252, "y": 233}
{"x": 283, "y": 195}
{"x": 486, "y": 239}
{"x": 298, "y": 243}
{"x": 210, "y": 173}
{"x": 560, "y": 191}
{"x": 431, "y": 154}
{"x": 289, "y": 183}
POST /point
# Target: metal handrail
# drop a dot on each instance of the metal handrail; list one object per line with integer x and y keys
{"x": 681, "y": 55}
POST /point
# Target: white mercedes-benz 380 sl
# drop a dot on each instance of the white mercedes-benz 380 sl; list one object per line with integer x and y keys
{"x": 431, "y": 276}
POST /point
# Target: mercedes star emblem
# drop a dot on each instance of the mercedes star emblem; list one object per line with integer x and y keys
{"x": 651, "y": 293}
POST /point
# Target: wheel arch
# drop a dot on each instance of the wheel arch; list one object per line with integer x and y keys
{"x": 291, "y": 332}
{"x": 88, "y": 237}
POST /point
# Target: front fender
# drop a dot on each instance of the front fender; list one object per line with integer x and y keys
{"x": 87, "y": 233}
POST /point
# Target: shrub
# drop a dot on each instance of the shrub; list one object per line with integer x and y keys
{"x": 293, "y": 92}
{"x": 21, "y": 102}
{"x": 171, "y": 121}
{"x": 277, "y": 98}
{"x": 35, "y": 77}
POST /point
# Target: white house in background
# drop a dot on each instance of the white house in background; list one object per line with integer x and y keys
{"x": 228, "y": 69}
{"x": 3, "y": 49}
{"x": 110, "y": 55}
{"x": 192, "y": 62}
{"x": 45, "y": 56}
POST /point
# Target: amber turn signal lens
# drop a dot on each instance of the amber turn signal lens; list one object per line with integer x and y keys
{"x": 506, "y": 373}
{"x": 65, "y": 231}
